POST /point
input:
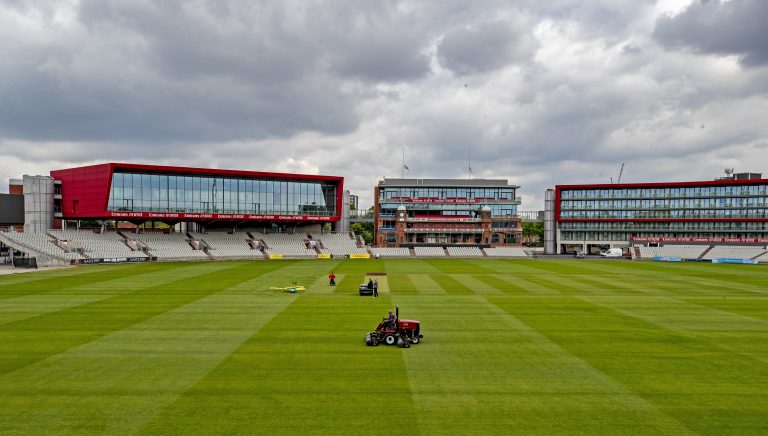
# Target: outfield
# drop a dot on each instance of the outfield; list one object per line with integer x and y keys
{"x": 528, "y": 346}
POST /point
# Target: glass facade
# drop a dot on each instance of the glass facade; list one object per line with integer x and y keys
{"x": 216, "y": 194}
{"x": 732, "y": 202}
{"x": 506, "y": 193}
{"x": 449, "y": 201}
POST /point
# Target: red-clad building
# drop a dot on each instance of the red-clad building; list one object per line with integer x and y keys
{"x": 137, "y": 193}
{"x": 589, "y": 217}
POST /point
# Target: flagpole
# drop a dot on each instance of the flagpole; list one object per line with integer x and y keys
{"x": 469, "y": 162}
{"x": 402, "y": 166}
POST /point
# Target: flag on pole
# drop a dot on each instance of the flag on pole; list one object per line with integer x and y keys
{"x": 470, "y": 170}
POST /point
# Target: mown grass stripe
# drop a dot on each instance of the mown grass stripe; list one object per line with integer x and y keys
{"x": 450, "y": 285}
{"x": 476, "y": 286}
{"x": 349, "y": 284}
{"x": 753, "y": 307}
{"x": 321, "y": 284}
{"x": 667, "y": 367}
{"x": 627, "y": 285}
{"x": 33, "y": 339}
{"x": 321, "y": 379}
{"x": 459, "y": 266}
{"x": 149, "y": 364}
{"x": 599, "y": 287}
{"x": 28, "y": 306}
{"x": 526, "y": 286}
{"x": 425, "y": 285}
{"x": 497, "y": 283}
{"x": 727, "y": 330}
{"x": 505, "y": 266}
{"x": 517, "y": 375}
{"x": 54, "y": 283}
{"x": 401, "y": 284}
{"x": 274, "y": 274}
{"x": 560, "y": 285}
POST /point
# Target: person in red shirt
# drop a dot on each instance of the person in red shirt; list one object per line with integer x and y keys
{"x": 332, "y": 278}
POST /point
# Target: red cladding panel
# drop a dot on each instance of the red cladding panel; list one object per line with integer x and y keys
{"x": 84, "y": 190}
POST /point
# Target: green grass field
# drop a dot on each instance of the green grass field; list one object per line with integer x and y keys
{"x": 524, "y": 347}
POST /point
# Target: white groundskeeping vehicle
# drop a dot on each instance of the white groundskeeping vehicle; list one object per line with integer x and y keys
{"x": 612, "y": 252}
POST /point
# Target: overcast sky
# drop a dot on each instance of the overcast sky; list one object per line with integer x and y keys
{"x": 542, "y": 92}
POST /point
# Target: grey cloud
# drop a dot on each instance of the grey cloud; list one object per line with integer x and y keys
{"x": 736, "y": 27}
{"x": 485, "y": 47}
{"x": 339, "y": 87}
{"x": 193, "y": 71}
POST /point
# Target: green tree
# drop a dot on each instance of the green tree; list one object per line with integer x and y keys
{"x": 365, "y": 230}
{"x": 534, "y": 231}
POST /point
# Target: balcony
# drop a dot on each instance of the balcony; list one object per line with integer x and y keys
{"x": 443, "y": 219}
{"x": 443, "y": 230}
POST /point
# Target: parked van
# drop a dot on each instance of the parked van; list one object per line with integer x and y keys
{"x": 612, "y": 252}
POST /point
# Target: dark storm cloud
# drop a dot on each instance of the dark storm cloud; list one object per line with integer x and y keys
{"x": 199, "y": 71}
{"x": 736, "y": 27}
{"x": 485, "y": 47}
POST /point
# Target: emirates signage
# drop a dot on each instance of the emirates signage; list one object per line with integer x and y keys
{"x": 731, "y": 240}
{"x": 216, "y": 216}
{"x": 445, "y": 200}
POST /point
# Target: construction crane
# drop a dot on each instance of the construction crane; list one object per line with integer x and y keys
{"x": 621, "y": 171}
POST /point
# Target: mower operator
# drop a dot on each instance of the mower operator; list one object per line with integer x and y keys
{"x": 391, "y": 319}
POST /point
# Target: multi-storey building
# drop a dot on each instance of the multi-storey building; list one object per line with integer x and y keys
{"x": 589, "y": 217}
{"x": 204, "y": 196}
{"x": 446, "y": 212}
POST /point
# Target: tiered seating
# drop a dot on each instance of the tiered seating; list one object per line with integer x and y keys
{"x": 464, "y": 252}
{"x": 228, "y": 246}
{"x": 429, "y": 251}
{"x": 109, "y": 245}
{"x": 674, "y": 251}
{"x": 506, "y": 252}
{"x": 289, "y": 245}
{"x": 172, "y": 246}
{"x": 733, "y": 252}
{"x": 763, "y": 258}
{"x": 340, "y": 244}
{"x": 391, "y": 252}
{"x": 40, "y": 243}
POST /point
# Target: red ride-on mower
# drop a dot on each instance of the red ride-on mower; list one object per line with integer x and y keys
{"x": 404, "y": 332}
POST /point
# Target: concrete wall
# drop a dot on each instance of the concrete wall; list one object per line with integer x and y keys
{"x": 38, "y": 203}
{"x": 550, "y": 246}
{"x": 343, "y": 225}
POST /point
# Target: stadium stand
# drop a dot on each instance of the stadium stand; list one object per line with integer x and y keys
{"x": 109, "y": 245}
{"x": 339, "y": 244}
{"x": 505, "y": 252}
{"x": 733, "y": 252}
{"x": 228, "y": 246}
{"x": 40, "y": 244}
{"x": 464, "y": 252}
{"x": 391, "y": 252}
{"x": 172, "y": 246}
{"x": 763, "y": 258}
{"x": 287, "y": 244}
{"x": 674, "y": 251}
{"x": 429, "y": 251}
